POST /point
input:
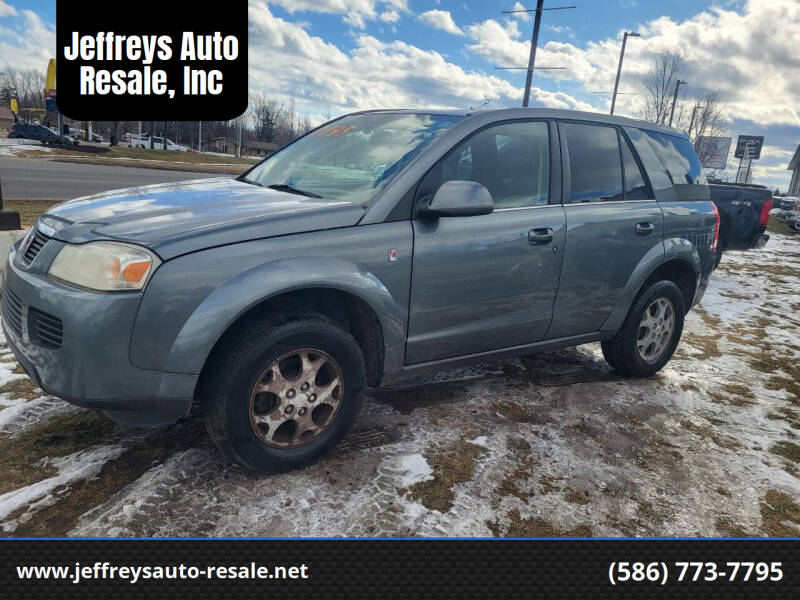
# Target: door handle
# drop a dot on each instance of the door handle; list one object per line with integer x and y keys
{"x": 540, "y": 236}
{"x": 645, "y": 228}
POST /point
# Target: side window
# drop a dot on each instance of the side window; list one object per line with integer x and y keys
{"x": 680, "y": 163}
{"x": 635, "y": 187}
{"x": 512, "y": 160}
{"x": 594, "y": 162}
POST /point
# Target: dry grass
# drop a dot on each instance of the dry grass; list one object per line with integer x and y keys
{"x": 451, "y": 466}
{"x": 29, "y": 210}
{"x": 730, "y": 528}
{"x": 787, "y": 450}
{"x": 58, "y": 436}
{"x": 22, "y": 387}
{"x": 510, "y": 484}
{"x": 59, "y": 518}
{"x": 776, "y": 509}
{"x": 775, "y": 226}
{"x": 535, "y": 527}
{"x": 707, "y": 432}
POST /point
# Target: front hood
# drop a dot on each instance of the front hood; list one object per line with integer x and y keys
{"x": 176, "y": 218}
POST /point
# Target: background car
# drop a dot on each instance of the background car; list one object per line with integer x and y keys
{"x": 158, "y": 143}
{"x": 45, "y": 135}
{"x": 785, "y": 203}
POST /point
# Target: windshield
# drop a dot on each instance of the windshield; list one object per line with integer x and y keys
{"x": 350, "y": 159}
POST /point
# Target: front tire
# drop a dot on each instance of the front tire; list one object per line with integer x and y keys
{"x": 281, "y": 392}
{"x": 650, "y": 333}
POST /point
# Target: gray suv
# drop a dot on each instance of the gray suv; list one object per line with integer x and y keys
{"x": 380, "y": 245}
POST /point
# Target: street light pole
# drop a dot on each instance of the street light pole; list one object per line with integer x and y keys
{"x": 691, "y": 122}
{"x": 532, "y": 58}
{"x": 619, "y": 67}
{"x": 678, "y": 84}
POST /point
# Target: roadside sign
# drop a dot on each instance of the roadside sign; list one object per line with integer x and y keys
{"x": 713, "y": 151}
{"x": 50, "y": 80}
{"x": 753, "y": 144}
{"x": 50, "y": 101}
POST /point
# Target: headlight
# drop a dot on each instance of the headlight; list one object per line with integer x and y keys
{"x": 104, "y": 266}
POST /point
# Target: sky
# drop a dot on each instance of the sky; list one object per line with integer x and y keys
{"x": 337, "y": 56}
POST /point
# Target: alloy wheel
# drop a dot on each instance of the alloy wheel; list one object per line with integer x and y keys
{"x": 655, "y": 329}
{"x": 296, "y": 398}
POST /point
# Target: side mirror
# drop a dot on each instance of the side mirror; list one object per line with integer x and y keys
{"x": 459, "y": 199}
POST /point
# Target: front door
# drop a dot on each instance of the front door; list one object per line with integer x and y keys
{"x": 487, "y": 282}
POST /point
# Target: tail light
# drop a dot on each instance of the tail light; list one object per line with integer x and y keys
{"x": 765, "y": 213}
{"x": 716, "y": 228}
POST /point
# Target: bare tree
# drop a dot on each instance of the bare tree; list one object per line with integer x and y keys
{"x": 659, "y": 86}
{"x": 706, "y": 118}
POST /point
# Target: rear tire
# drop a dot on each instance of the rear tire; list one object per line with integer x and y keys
{"x": 651, "y": 331}
{"x": 256, "y": 398}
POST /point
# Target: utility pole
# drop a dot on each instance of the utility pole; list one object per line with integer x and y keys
{"x": 534, "y": 42}
{"x": 678, "y": 84}
{"x": 199, "y": 136}
{"x": 619, "y": 67}
{"x": 152, "y": 129}
{"x": 532, "y": 58}
{"x": 239, "y": 145}
{"x": 165, "y": 135}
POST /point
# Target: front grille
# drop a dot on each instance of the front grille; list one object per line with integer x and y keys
{"x": 44, "y": 329}
{"x": 35, "y": 245}
{"x": 12, "y": 312}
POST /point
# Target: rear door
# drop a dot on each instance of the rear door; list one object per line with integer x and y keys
{"x": 486, "y": 282}
{"x": 613, "y": 221}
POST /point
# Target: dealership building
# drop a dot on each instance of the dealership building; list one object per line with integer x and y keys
{"x": 794, "y": 167}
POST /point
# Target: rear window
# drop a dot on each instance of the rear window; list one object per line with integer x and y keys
{"x": 594, "y": 162}
{"x": 681, "y": 165}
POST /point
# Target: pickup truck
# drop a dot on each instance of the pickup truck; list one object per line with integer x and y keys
{"x": 379, "y": 246}
{"x": 744, "y": 213}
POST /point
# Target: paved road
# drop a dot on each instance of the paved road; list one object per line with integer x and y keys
{"x": 29, "y": 178}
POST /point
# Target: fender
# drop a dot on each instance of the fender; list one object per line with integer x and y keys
{"x": 673, "y": 248}
{"x": 222, "y": 307}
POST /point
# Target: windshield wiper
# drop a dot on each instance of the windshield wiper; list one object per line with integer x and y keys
{"x": 250, "y": 181}
{"x": 283, "y": 187}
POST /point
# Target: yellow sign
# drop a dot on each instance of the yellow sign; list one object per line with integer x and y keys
{"x": 14, "y": 106}
{"x": 51, "y": 75}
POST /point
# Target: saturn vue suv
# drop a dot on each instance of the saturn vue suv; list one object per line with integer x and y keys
{"x": 380, "y": 245}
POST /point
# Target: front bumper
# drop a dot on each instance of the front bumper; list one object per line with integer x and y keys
{"x": 90, "y": 366}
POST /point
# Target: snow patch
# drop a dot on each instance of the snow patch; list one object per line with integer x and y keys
{"x": 75, "y": 467}
{"x": 414, "y": 469}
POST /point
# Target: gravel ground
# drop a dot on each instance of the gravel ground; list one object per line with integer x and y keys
{"x": 553, "y": 444}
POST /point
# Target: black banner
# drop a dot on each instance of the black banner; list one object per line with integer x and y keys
{"x": 352, "y": 569}
{"x": 151, "y": 60}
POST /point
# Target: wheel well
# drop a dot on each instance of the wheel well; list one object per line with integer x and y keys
{"x": 348, "y": 310}
{"x": 682, "y": 274}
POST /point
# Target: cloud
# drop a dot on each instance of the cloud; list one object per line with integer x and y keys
{"x": 522, "y": 16}
{"x": 286, "y": 61}
{"x": 26, "y": 42}
{"x": 354, "y": 12}
{"x": 6, "y": 10}
{"x": 440, "y": 19}
{"x": 742, "y": 54}
{"x": 390, "y": 16}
